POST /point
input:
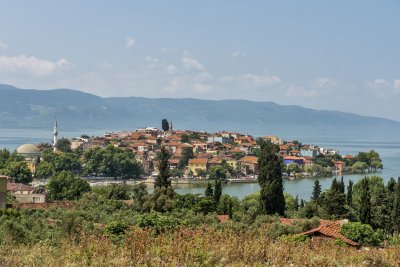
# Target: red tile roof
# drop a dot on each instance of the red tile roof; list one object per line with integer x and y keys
{"x": 198, "y": 161}
{"x": 249, "y": 159}
{"x": 331, "y": 229}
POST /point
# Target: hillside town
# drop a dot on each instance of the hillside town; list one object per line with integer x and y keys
{"x": 195, "y": 153}
{"x": 194, "y": 156}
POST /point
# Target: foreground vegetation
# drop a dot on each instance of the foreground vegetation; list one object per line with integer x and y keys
{"x": 190, "y": 247}
{"x": 111, "y": 226}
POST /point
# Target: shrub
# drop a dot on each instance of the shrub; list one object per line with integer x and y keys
{"x": 115, "y": 228}
{"x": 294, "y": 238}
{"x": 362, "y": 233}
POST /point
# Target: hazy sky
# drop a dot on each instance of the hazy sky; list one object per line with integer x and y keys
{"x": 340, "y": 55}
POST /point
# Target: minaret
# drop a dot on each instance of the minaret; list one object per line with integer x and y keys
{"x": 170, "y": 125}
{"x": 55, "y": 137}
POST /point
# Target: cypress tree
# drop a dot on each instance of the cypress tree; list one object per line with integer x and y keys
{"x": 302, "y": 203}
{"x": 341, "y": 185}
{"x": 391, "y": 189}
{"x": 209, "y": 190}
{"x": 316, "y": 191}
{"x": 217, "y": 191}
{"x": 270, "y": 179}
{"x": 349, "y": 196}
{"x": 396, "y": 208}
{"x": 162, "y": 179}
{"x": 296, "y": 202}
{"x": 165, "y": 125}
{"x": 365, "y": 204}
{"x": 335, "y": 185}
{"x": 334, "y": 201}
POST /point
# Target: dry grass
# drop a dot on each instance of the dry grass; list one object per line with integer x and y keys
{"x": 188, "y": 247}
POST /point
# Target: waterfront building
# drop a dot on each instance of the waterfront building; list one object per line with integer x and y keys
{"x": 195, "y": 165}
{"x": 249, "y": 165}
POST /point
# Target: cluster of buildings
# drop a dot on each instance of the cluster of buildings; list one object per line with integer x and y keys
{"x": 209, "y": 149}
{"x": 21, "y": 193}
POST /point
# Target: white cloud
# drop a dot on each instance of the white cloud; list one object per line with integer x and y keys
{"x": 3, "y": 46}
{"x": 32, "y": 65}
{"x": 238, "y": 54}
{"x": 203, "y": 88}
{"x": 253, "y": 79}
{"x": 150, "y": 59}
{"x": 203, "y": 77}
{"x": 191, "y": 64}
{"x": 171, "y": 69}
{"x": 176, "y": 84}
{"x": 323, "y": 82}
{"x": 298, "y": 91}
{"x": 380, "y": 87}
{"x": 396, "y": 86}
{"x": 129, "y": 42}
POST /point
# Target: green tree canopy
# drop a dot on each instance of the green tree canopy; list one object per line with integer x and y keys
{"x": 66, "y": 186}
{"x": 64, "y": 145}
{"x": 19, "y": 171}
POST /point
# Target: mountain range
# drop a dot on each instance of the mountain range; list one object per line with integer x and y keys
{"x": 76, "y": 110}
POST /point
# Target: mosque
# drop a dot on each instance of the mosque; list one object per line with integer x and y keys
{"x": 31, "y": 153}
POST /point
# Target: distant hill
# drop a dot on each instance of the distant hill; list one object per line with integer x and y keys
{"x": 75, "y": 110}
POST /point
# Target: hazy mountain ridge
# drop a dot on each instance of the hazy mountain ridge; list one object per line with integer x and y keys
{"x": 29, "y": 108}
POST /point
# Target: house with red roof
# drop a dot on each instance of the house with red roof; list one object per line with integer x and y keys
{"x": 328, "y": 231}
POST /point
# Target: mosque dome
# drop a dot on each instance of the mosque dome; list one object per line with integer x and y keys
{"x": 28, "y": 149}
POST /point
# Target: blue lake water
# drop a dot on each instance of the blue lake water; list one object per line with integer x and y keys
{"x": 388, "y": 149}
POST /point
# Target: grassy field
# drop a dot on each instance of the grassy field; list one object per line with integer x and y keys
{"x": 191, "y": 247}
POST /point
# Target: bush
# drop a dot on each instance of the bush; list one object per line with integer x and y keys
{"x": 362, "y": 233}
{"x": 294, "y": 238}
{"x": 115, "y": 228}
{"x": 157, "y": 220}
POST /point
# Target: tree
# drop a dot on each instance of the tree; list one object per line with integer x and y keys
{"x": 316, "y": 191}
{"x": 111, "y": 161}
{"x": 349, "y": 196}
{"x": 44, "y": 170}
{"x": 209, "y": 190}
{"x": 162, "y": 179}
{"x": 272, "y": 199}
{"x": 228, "y": 205}
{"x": 217, "y": 172}
{"x": 139, "y": 196}
{"x": 185, "y": 138}
{"x": 118, "y": 191}
{"x": 64, "y": 145}
{"x": 359, "y": 167}
{"x": 333, "y": 200}
{"x": 293, "y": 168}
{"x": 396, "y": 208}
{"x": 341, "y": 186}
{"x": 19, "y": 171}
{"x": 217, "y": 191}
{"x": 187, "y": 153}
{"x": 365, "y": 207}
{"x": 165, "y": 125}
{"x": 66, "y": 186}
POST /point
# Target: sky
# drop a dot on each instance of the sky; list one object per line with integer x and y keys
{"x": 331, "y": 55}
